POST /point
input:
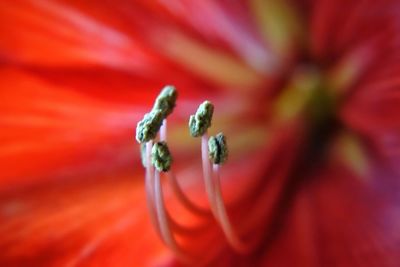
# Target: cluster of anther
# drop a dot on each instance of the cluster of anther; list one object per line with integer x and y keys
{"x": 156, "y": 158}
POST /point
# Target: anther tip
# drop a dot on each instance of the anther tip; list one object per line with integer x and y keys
{"x": 217, "y": 149}
{"x": 201, "y": 121}
{"x": 165, "y": 101}
{"x": 148, "y": 127}
{"x": 161, "y": 157}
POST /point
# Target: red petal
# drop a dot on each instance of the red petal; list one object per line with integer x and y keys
{"x": 51, "y": 131}
{"x": 52, "y": 34}
{"x": 90, "y": 222}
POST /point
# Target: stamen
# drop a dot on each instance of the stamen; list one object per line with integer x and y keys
{"x": 163, "y": 220}
{"x": 165, "y": 101}
{"x": 218, "y": 152}
{"x": 168, "y": 227}
{"x": 149, "y": 184}
{"x": 181, "y": 196}
{"x": 161, "y": 157}
{"x": 201, "y": 121}
{"x": 186, "y": 202}
{"x": 223, "y": 218}
{"x": 165, "y": 224}
{"x": 148, "y": 128}
{"x": 207, "y": 175}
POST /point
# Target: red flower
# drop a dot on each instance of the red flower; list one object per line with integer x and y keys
{"x": 307, "y": 93}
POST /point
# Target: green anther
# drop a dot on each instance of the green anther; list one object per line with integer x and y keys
{"x": 217, "y": 149}
{"x": 161, "y": 157}
{"x": 166, "y": 100}
{"x": 147, "y": 128}
{"x": 201, "y": 121}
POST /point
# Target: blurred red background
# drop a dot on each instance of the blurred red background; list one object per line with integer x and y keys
{"x": 306, "y": 91}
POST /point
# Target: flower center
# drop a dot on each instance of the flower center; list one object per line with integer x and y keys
{"x": 307, "y": 97}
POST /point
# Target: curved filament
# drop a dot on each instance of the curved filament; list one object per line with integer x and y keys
{"x": 186, "y": 202}
{"x": 214, "y": 194}
{"x": 223, "y": 217}
{"x": 149, "y": 182}
{"x": 163, "y": 220}
{"x": 179, "y": 193}
{"x": 207, "y": 175}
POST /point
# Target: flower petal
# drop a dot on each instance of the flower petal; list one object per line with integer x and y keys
{"x": 51, "y": 131}
{"x": 73, "y": 223}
